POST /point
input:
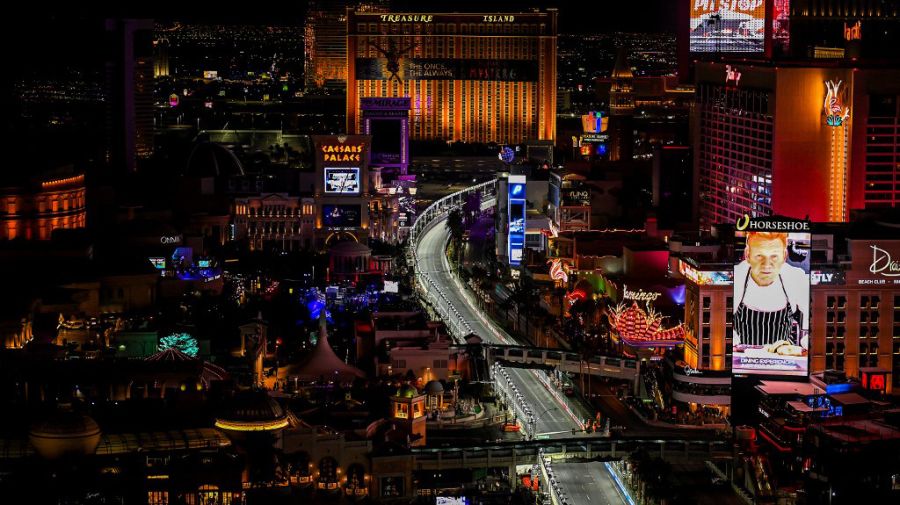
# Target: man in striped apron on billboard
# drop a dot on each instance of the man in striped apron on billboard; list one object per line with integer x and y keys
{"x": 771, "y": 296}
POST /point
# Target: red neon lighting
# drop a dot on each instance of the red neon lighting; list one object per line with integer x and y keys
{"x": 643, "y": 328}
{"x": 876, "y": 382}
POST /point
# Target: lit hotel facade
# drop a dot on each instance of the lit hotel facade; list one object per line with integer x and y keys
{"x": 855, "y": 310}
{"x": 795, "y": 140}
{"x": 469, "y": 77}
{"x": 31, "y": 211}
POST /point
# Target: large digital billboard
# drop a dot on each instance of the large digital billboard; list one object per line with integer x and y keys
{"x": 341, "y": 216}
{"x": 342, "y": 180}
{"x": 516, "y": 210}
{"x": 770, "y": 320}
{"x": 705, "y": 277}
{"x": 781, "y": 24}
{"x": 728, "y": 26}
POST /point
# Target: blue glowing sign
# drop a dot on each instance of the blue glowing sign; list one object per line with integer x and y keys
{"x": 516, "y": 209}
{"x": 843, "y": 387}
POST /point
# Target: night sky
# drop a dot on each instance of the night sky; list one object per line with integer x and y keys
{"x": 575, "y": 15}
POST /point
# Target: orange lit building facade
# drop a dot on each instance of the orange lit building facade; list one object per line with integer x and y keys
{"x": 469, "y": 77}
{"x": 32, "y": 211}
{"x": 855, "y": 310}
{"x": 795, "y": 140}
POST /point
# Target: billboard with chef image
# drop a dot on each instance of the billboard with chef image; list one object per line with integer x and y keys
{"x": 770, "y": 319}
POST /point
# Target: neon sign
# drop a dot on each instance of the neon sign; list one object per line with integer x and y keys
{"x": 836, "y": 115}
{"x": 883, "y": 264}
{"x": 853, "y": 32}
{"x": 407, "y": 18}
{"x": 557, "y": 270}
{"x": 835, "y": 111}
{"x": 643, "y": 328}
{"x": 732, "y": 74}
{"x": 170, "y": 239}
{"x": 342, "y": 153}
{"x": 640, "y": 295}
{"x": 691, "y": 371}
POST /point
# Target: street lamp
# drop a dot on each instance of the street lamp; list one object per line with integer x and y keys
{"x": 533, "y": 421}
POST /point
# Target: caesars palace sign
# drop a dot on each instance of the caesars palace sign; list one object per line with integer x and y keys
{"x": 340, "y": 152}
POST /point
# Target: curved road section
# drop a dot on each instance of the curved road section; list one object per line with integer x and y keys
{"x": 552, "y": 418}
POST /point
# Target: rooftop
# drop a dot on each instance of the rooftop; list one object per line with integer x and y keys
{"x": 775, "y": 388}
{"x": 864, "y": 430}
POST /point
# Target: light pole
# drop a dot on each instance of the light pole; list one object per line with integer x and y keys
{"x": 533, "y": 421}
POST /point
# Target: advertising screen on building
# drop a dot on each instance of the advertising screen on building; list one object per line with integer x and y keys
{"x": 342, "y": 180}
{"x": 770, "y": 320}
{"x": 781, "y": 24}
{"x": 516, "y": 208}
{"x": 405, "y": 190}
{"x": 705, "y": 277}
{"x": 341, "y": 216}
{"x": 451, "y": 500}
{"x": 728, "y": 26}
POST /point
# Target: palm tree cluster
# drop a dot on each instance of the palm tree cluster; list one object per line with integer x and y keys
{"x": 650, "y": 477}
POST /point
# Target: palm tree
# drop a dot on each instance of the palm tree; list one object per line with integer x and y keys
{"x": 457, "y": 228}
{"x": 505, "y": 305}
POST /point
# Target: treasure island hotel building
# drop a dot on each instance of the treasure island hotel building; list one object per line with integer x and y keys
{"x": 470, "y": 77}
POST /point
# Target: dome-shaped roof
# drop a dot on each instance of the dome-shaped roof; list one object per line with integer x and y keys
{"x": 407, "y": 391}
{"x": 209, "y": 159}
{"x": 252, "y": 411}
{"x": 434, "y": 387}
{"x": 350, "y": 248}
{"x": 65, "y": 433}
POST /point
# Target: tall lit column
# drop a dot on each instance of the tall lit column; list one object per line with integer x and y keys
{"x": 836, "y": 117}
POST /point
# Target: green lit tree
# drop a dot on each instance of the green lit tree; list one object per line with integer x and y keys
{"x": 183, "y": 342}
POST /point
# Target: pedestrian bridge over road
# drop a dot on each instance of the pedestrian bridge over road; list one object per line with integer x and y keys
{"x": 606, "y": 366}
{"x": 510, "y": 454}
